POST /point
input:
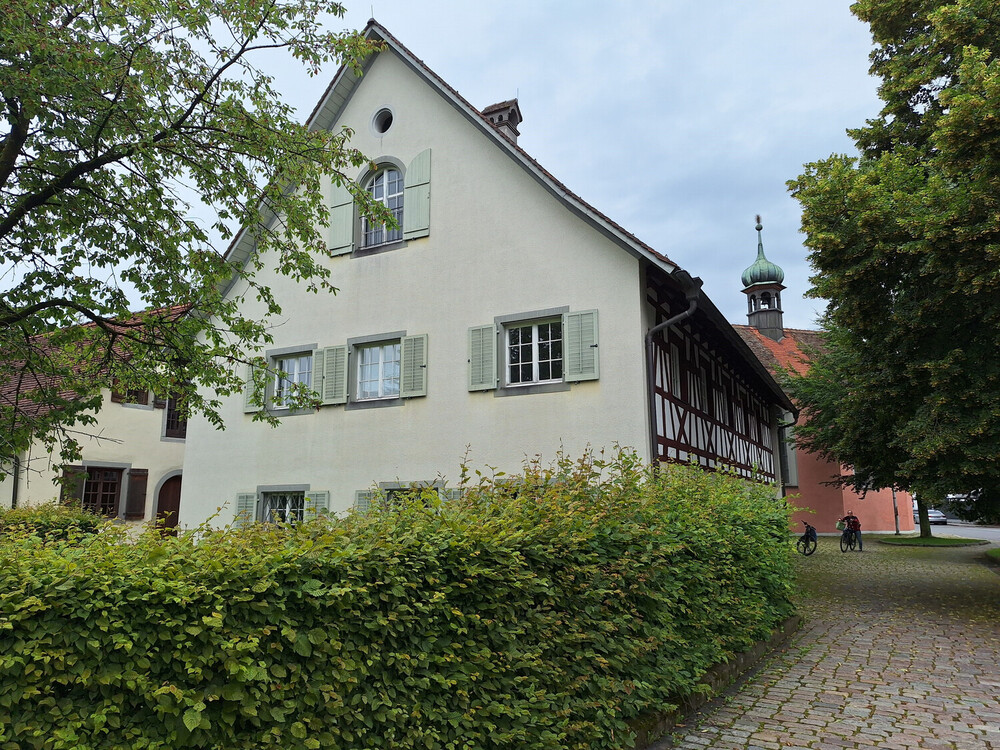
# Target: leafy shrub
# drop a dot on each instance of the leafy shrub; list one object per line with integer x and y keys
{"x": 542, "y": 611}
{"x": 50, "y": 520}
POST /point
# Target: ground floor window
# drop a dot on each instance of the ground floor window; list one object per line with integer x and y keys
{"x": 283, "y": 507}
{"x": 102, "y": 491}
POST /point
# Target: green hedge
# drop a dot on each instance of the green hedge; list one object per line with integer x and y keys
{"x": 49, "y": 520}
{"x": 539, "y": 612}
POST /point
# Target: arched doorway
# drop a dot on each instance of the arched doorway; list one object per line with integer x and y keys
{"x": 168, "y": 505}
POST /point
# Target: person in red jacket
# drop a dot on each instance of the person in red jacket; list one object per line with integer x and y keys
{"x": 853, "y": 523}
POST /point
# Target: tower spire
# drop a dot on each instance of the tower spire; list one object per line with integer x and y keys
{"x": 762, "y": 286}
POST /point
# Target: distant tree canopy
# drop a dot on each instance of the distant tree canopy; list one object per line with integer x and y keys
{"x": 115, "y": 116}
{"x": 905, "y": 244}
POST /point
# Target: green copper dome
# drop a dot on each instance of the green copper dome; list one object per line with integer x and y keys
{"x": 762, "y": 271}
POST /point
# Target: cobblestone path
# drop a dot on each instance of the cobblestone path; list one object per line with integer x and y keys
{"x": 900, "y": 650}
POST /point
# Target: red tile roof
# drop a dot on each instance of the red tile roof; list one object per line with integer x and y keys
{"x": 26, "y": 379}
{"x": 791, "y": 353}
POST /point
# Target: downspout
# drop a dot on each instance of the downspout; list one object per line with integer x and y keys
{"x": 781, "y": 426}
{"x": 17, "y": 481}
{"x": 692, "y": 291}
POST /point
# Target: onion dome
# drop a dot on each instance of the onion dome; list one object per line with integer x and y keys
{"x": 762, "y": 271}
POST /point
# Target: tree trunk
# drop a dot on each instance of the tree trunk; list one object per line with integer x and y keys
{"x": 925, "y": 524}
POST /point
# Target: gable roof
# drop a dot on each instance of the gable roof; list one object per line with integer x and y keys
{"x": 331, "y": 104}
{"x": 791, "y": 353}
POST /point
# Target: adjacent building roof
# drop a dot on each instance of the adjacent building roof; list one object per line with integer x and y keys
{"x": 24, "y": 378}
{"x": 791, "y": 353}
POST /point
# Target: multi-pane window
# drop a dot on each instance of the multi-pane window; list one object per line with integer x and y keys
{"x": 176, "y": 425}
{"x": 282, "y": 507}
{"x": 102, "y": 491}
{"x": 292, "y": 373}
{"x": 386, "y": 188}
{"x": 378, "y": 371}
{"x": 534, "y": 353}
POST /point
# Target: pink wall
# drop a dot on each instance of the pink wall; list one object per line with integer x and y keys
{"x": 831, "y": 503}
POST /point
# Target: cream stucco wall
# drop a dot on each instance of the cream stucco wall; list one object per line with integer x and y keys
{"x": 125, "y": 436}
{"x": 499, "y": 244}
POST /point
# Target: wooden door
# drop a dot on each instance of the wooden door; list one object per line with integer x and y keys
{"x": 168, "y": 505}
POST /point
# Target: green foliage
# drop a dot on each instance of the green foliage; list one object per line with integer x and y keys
{"x": 50, "y": 521}
{"x": 905, "y": 242}
{"x": 540, "y": 611}
{"x": 116, "y": 118}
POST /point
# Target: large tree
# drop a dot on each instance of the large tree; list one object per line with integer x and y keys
{"x": 905, "y": 244}
{"x": 115, "y": 117}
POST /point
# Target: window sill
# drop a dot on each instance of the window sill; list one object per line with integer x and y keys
{"x": 284, "y": 412}
{"x": 385, "y": 247}
{"x": 373, "y": 403}
{"x": 524, "y": 390}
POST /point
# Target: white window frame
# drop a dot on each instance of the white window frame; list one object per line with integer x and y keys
{"x": 534, "y": 349}
{"x": 382, "y": 379}
{"x": 290, "y": 375}
{"x": 373, "y": 235}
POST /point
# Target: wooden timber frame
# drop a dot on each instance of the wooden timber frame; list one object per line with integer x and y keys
{"x": 710, "y": 407}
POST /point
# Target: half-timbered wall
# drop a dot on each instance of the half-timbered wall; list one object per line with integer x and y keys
{"x": 707, "y": 409}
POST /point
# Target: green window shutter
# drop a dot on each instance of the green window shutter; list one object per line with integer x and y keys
{"x": 317, "y": 504}
{"x": 580, "y": 336}
{"x": 319, "y": 365}
{"x": 341, "y": 221}
{"x": 363, "y": 501}
{"x": 334, "y": 375}
{"x": 482, "y": 358}
{"x": 246, "y": 509}
{"x": 413, "y": 366}
{"x": 417, "y": 197}
{"x": 249, "y": 407}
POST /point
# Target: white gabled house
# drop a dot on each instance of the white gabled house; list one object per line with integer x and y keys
{"x": 505, "y": 316}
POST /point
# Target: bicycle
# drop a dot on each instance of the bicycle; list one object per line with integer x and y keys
{"x": 848, "y": 540}
{"x": 807, "y": 542}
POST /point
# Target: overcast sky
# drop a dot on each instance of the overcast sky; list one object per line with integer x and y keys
{"x": 680, "y": 120}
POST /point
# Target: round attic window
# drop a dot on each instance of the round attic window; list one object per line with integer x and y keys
{"x": 382, "y": 121}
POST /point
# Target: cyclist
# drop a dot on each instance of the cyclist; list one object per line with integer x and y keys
{"x": 853, "y": 523}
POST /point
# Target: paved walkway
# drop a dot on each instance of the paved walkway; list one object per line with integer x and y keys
{"x": 900, "y": 650}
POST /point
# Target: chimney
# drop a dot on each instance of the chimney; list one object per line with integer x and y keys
{"x": 505, "y": 117}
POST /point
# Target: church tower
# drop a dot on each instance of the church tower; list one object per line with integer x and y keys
{"x": 762, "y": 286}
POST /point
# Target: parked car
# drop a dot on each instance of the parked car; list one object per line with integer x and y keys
{"x": 936, "y": 517}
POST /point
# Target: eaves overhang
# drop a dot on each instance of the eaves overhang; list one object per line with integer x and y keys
{"x": 711, "y": 314}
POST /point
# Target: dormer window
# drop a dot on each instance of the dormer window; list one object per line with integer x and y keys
{"x": 386, "y": 187}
